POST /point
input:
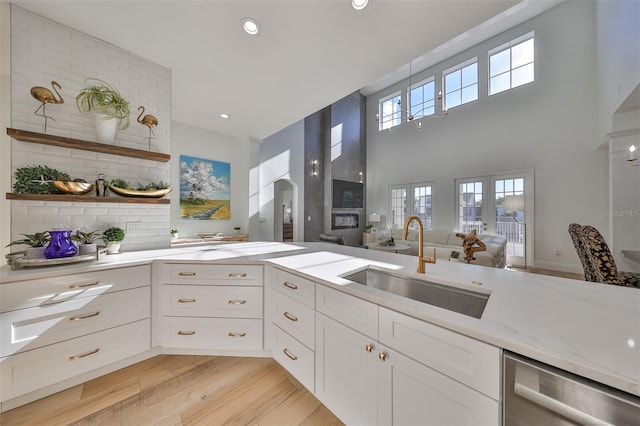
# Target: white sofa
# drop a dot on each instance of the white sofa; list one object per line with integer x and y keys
{"x": 445, "y": 242}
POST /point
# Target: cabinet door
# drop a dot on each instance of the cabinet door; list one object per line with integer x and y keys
{"x": 346, "y": 375}
{"x": 413, "y": 394}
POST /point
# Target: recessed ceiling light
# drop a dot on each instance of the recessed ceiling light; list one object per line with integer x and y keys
{"x": 359, "y": 4}
{"x": 224, "y": 115}
{"x": 251, "y": 26}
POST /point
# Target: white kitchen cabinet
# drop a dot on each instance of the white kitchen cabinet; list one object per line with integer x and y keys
{"x": 363, "y": 380}
{"x": 209, "y": 306}
{"x": 54, "y": 329}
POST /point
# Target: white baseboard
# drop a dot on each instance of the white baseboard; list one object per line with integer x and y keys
{"x": 556, "y": 266}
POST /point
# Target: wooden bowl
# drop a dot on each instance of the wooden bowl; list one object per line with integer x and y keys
{"x": 76, "y": 188}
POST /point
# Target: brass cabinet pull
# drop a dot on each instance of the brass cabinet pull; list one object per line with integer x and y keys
{"x": 289, "y": 285}
{"x": 186, "y": 300}
{"x": 77, "y": 357}
{"x": 232, "y": 334}
{"x": 74, "y": 286}
{"x": 369, "y": 348}
{"x": 186, "y": 333}
{"x": 383, "y": 356}
{"x": 290, "y": 317}
{"x": 289, "y": 354}
{"x": 237, "y": 302}
{"x": 237, "y": 275}
{"x": 84, "y": 316}
{"x": 187, "y": 274}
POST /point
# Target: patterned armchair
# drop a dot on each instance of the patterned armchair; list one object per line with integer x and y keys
{"x": 575, "y": 230}
{"x": 604, "y": 266}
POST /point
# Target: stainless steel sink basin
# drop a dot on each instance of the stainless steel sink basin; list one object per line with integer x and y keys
{"x": 465, "y": 302}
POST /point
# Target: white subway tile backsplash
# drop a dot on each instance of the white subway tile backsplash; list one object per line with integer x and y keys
{"x": 43, "y": 50}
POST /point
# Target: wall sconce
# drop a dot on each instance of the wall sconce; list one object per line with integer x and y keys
{"x": 314, "y": 168}
{"x": 633, "y": 157}
{"x": 360, "y": 177}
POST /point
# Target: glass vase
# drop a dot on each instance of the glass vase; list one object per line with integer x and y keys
{"x": 60, "y": 245}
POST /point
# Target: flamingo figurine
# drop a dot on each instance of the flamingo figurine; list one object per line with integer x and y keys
{"x": 45, "y": 96}
{"x": 149, "y": 121}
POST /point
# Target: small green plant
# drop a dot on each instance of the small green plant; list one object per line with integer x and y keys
{"x": 88, "y": 237}
{"x": 113, "y": 234}
{"x": 120, "y": 183}
{"x": 174, "y": 231}
{"x": 104, "y": 98}
{"x": 37, "y": 179}
{"x": 39, "y": 239}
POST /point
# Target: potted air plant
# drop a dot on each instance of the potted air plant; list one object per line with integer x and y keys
{"x": 113, "y": 238}
{"x": 87, "y": 240}
{"x": 37, "y": 243}
{"x": 110, "y": 108}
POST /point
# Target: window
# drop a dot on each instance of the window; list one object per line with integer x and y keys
{"x": 461, "y": 84}
{"x": 422, "y": 98}
{"x": 401, "y": 208}
{"x": 389, "y": 114}
{"x": 512, "y": 64}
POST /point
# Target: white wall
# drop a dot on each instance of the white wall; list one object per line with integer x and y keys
{"x": 5, "y": 120}
{"x": 548, "y": 126}
{"x": 43, "y": 50}
{"x": 282, "y": 157}
{"x": 197, "y": 142}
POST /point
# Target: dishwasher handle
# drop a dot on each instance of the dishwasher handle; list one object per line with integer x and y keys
{"x": 557, "y": 407}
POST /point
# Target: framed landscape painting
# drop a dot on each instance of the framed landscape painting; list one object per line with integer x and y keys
{"x": 205, "y": 189}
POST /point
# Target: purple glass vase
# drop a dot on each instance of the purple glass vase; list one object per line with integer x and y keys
{"x": 60, "y": 245}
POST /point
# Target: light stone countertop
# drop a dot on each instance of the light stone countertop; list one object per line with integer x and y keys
{"x": 590, "y": 329}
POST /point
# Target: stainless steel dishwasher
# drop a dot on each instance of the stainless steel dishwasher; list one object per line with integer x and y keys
{"x": 536, "y": 394}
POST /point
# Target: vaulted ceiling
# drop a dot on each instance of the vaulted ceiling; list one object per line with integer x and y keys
{"x": 308, "y": 54}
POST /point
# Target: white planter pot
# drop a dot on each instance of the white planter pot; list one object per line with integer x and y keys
{"x": 113, "y": 247}
{"x": 88, "y": 249}
{"x": 105, "y": 128}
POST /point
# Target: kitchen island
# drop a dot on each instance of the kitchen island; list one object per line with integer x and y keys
{"x": 589, "y": 329}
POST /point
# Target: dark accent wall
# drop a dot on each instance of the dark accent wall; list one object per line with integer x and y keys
{"x": 338, "y": 131}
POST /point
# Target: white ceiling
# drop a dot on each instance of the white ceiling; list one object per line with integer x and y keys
{"x": 309, "y": 53}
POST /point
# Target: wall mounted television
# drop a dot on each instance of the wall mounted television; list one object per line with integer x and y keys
{"x": 347, "y": 195}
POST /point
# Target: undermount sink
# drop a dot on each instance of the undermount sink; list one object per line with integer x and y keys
{"x": 455, "y": 299}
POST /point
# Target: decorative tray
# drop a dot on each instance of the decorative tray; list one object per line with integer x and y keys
{"x": 158, "y": 193}
{"x": 18, "y": 260}
{"x": 211, "y": 234}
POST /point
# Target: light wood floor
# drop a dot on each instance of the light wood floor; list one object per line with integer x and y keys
{"x": 182, "y": 390}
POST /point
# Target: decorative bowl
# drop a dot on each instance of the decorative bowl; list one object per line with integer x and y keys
{"x": 76, "y": 188}
{"x": 138, "y": 193}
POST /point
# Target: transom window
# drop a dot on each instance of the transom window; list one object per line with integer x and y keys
{"x": 512, "y": 64}
{"x": 390, "y": 112}
{"x": 461, "y": 84}
{"x": 422, "y": 98}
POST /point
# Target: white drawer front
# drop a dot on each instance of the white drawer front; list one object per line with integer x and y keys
{"x": 32, "y": 370}
{"x": 209, "y": 274}
{"x": 295, "y": 318}
{"x": 212, "y": 301}
{"x": 474, "y": 363}
{"x": 27, "y": 294}
{"x": 296, "y": 358}
{"x": 212, "y": 333}
{"x": 32, "y": 328}
{"x": 349, "y": 310}
{"x": 296, "y": 287}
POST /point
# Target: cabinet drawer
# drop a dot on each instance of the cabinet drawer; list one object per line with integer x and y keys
{"x": 349, "y": 310}
{"x": 212, "y": 301}
{"x": 296, "y": 287}
{"x": 295, "y": 357}
{"x": 32, "y": 370}
{"x": 32, "y": 328}
{"x": 295, "y": 318}
{"x": 212, "y": 333}
{"x": 208, "y": 274}
{"x": 31, "y": 293}
{"x": 474, "y": 363}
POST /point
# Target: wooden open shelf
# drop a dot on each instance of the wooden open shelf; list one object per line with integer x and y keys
{"x": 85, "y": 198}
{"x": 42, "y": 138}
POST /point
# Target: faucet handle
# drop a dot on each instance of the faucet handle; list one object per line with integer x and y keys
{"x": 431, "y": 259}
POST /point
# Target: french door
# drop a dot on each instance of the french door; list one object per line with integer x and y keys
{"x": 500, "y": 204}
